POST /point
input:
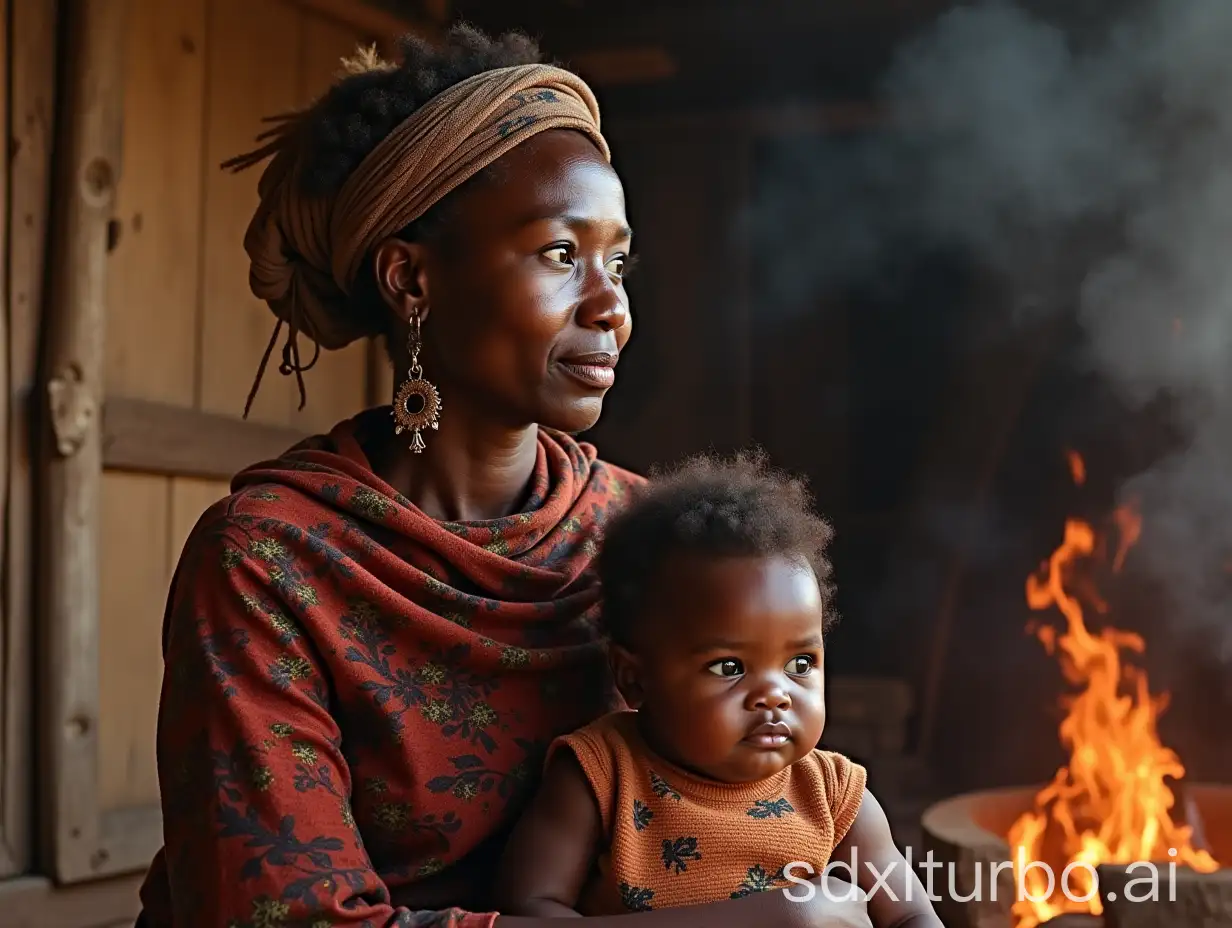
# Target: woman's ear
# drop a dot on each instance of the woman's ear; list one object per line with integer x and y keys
{"x": 627, "y": 674}
{"x": 401, "y": 277}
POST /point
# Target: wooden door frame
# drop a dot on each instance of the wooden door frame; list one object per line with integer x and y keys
{"x": 31, "y": 104}
{"x": 12, "y": 757}
{"x": 78, "y": 841}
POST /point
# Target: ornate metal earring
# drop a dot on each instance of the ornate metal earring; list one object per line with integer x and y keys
{"x": 418, "y": 404}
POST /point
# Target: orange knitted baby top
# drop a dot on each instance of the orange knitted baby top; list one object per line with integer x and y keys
{"x": 673, "y": 838}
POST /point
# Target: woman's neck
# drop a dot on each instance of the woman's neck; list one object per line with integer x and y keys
{"x": 471, "y": 470}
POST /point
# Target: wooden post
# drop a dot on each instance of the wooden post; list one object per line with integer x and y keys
{"x": 32, "y": 58}
{"x": 12, "y": 847}
{"x": 87, "y": 165}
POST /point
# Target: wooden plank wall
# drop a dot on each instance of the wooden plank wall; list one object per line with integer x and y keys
{"x": 182, "y": 327}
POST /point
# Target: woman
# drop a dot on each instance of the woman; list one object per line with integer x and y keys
{"x": 370, "y": 642}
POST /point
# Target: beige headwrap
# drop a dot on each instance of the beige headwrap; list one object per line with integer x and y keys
{"x": 305, "y": 252}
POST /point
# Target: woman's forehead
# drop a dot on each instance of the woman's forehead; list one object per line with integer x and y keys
{"x": 557, "y": 175}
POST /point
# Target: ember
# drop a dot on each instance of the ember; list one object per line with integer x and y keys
{"x": 1112, "y": 803}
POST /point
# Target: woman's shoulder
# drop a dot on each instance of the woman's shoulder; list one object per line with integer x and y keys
{"x": 265, "y": 508}
{"x": 268, "y": 524}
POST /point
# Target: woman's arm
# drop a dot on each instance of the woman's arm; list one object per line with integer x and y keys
{"x": 896, "y": 896}
{"x": 255, "y": 788}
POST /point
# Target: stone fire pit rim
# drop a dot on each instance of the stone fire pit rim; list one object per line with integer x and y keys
{"x": 953, "y": 819}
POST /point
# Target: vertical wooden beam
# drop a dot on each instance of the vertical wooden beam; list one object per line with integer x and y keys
{"x": 8, "y": 756}
{"x": 32, "y": 79}
{"x": 87, "y": 165}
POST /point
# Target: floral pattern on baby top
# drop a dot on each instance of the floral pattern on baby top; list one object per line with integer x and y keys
{"x": 674, "y": 839}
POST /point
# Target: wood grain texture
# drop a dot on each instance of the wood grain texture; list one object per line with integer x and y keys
{"x": 35, "y": 902}
{"x": 153, "y": 277}
{"x": 158, "y": 438}
{"x": 362, "y": 17}
{"x": 32, "y": 92}
{"x": 88, "y": 156}
{"x": 133, "y": 587}
{"x": 337, "y": 384}
{"x": 252, "y": 73}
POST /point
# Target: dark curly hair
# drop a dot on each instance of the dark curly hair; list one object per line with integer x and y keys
{"x": 362, "y": 108}
{"x": 713, "y": 506}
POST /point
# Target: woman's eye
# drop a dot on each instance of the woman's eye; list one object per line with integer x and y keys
{"x": 726, "y": 668}
{"x": 616, "y": 267}
{"x": 561, "y": 254}
{"x": 799, "y": 665}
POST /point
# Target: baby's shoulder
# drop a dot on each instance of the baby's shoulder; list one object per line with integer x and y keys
{"x": 607, "y": 735}
{"x": 838, "y": 781}
{"x": 603, "y": 752}
{"x": 832, "y": 763}
{"x": 837, "y": 773}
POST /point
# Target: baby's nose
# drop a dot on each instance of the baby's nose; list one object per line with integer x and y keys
{"x": 772, "y": 698}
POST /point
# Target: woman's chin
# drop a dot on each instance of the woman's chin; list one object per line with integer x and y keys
{"x": 576, "y": 415}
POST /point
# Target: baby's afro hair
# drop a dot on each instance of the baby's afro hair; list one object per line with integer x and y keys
{"x": 715, "y": 507}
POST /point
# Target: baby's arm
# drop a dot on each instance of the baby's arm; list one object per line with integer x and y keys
{"x": 897, "y": 897}
{"x": 553, "y": 846}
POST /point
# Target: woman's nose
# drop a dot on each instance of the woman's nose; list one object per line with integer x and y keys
{"x": 603, "y": 307}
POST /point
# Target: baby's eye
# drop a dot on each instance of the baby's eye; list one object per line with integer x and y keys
{"x": 730, "y": 667}
{"x": 561, "y": 254}
{"x": 799, "y": 665}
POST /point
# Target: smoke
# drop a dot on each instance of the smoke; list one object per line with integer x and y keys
{"x": 1089, "y": 164}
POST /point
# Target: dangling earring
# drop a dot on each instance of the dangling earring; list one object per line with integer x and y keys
{"x": 417, "y": 405}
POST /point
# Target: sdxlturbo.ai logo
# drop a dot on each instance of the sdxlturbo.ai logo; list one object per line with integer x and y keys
{"x": 1078, "y": 882}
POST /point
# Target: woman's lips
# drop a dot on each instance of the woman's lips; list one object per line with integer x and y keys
{"x": 770, "y": 735}
{"x": 594, "y": 370}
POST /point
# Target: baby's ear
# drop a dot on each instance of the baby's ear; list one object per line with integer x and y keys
{"x": 627, "y": 672}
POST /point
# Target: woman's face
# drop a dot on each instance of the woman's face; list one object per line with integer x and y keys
{"x": 526, "y": 311}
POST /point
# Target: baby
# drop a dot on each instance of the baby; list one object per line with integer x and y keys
{"x": 715, "y": 604}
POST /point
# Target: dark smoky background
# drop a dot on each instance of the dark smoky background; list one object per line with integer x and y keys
{"x": 920, "y": 252}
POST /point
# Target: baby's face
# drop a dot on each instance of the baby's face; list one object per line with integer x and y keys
{"x": 728, "y": 671}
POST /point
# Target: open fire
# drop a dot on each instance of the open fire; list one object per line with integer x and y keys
{"x": 1112, "y": 803}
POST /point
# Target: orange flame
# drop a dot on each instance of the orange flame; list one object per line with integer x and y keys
{"x": 1111, "y": 803}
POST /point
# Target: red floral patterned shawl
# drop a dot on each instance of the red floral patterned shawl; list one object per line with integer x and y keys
{"x": 357, "y": 698}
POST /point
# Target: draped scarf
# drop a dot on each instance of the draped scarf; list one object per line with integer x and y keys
{"x": 347, "y": 675}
